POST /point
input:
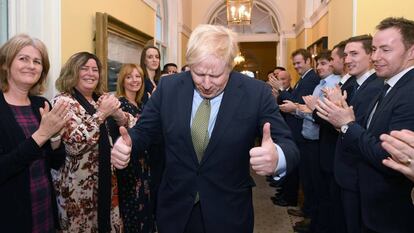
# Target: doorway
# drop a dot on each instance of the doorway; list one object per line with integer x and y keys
{"x": 260, "y": 58}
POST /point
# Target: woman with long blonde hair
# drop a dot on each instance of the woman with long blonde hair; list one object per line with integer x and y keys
{"x": 133, "y": 181}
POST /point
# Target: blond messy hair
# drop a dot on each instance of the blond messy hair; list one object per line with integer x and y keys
{"x": 215, "y": 40}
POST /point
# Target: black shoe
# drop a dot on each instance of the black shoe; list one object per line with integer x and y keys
{"x": 302, "y": 226}
{"x": 283, "y": 203}
{"x": 274, "y": 184}
{"x": 296, "y": 212}
{"x": 269, "y": 179}
{"x": 279, "y": 195}
{"x": 301, "y": 230}
{"x": 275, "y": 199}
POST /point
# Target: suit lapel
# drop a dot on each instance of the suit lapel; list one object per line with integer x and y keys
{"x": 387, "y": 98}
{"x": 363, "y": 86}
{"x": 229, "y": 104}
{"x": 185, "y": 96}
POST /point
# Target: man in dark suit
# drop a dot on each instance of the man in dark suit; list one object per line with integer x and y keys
{"x": 279, "y": 83}
{"x": 206, "y": 185}
{"x": 301, "y": 59}
{"x": 358, "y": 51}
{"x": 330, "y": 209}
{"x": 385, "y": 194}
{"x": 363, "y": 87}
{"x": 280, "y": 80}
{"x": 316, "y": 132}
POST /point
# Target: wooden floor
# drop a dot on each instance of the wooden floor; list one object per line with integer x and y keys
{"x": 269, "y": 218}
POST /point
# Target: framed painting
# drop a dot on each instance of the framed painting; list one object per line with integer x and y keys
{"x": 117, "y": 43}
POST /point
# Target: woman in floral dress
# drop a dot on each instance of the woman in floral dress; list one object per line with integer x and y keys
{"x": 86, "y": 185}
{"x": 133, "y": 181}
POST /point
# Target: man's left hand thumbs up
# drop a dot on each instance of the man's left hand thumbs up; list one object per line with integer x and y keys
{"x": 264, "y": 158}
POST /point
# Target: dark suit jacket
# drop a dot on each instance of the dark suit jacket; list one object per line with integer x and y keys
{"x": 16, "y": 155}
{"x": 328, "y": 135}
{"x": 346, "y": 172}
{"x": 304, "y": 87}
{"x": 222, "y": 178}
{"x": 385, "y": 193}
{"x": 279, "y": 101}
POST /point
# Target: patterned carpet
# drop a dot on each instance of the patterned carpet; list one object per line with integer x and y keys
{"x": 269, "y": 218}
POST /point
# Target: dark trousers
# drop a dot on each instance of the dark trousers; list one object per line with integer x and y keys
{"x": 156, "y": 162}
{"x": 290, "y": 187}
{"x": 308, "y": 170}
{"x": 338, "y": 210}
{"x": 330, "y": 217}
{"x": 365, "y": 230}
{"x": 195, "y": 223}
{"x": 352, "y": 209}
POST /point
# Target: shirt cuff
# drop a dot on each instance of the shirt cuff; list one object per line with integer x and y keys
{"x": 281, "y": 164}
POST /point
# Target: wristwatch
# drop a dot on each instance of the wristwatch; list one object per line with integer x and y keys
{"x": 345, "y": 127}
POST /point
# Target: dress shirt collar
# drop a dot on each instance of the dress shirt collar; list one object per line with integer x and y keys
{"x": 345, "y": 78}
{"x": 364, "y": 77}
{"x": 200, "y": 98}
{"x": 332, "y": 78}
{"x": 304, "y": 74}
{"x": 392, "y": 81}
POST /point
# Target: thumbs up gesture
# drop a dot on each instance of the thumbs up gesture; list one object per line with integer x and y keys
{"x": 264, "y": 158}
{"x": 121, "y": 152}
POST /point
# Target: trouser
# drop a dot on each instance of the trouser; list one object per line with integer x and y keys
{"x": 308, "y": 168}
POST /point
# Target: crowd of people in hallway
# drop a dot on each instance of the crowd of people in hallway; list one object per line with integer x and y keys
{"x": 172, "y": 151}
{"x": 352, "y": 120}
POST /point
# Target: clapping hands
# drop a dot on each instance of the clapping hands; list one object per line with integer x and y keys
{"x": 52, "y": 121}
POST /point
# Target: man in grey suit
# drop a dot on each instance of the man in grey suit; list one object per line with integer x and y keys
{"x": 206, "y": 185}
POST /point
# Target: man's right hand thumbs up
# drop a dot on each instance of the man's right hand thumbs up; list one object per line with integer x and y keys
{"x": 121, "y": 152}
{"x": 125, "y": 136}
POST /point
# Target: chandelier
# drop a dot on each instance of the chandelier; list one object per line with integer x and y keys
{"x": 239, "y": 59}
{"x": 239, "y": 11}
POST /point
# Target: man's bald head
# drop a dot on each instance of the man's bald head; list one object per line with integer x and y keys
{"x": 285, "y": 78}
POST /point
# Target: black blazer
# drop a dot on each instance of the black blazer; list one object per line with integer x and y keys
{"x": 222, "y": 178}
{"x": 16, "y": 155}
{"x": 346, "y": 172}
{"x": 385, "y": 194}
{"x": 328, "y": 135}
{"x": 304, "y": 87}
{"x": 279, "y": 101}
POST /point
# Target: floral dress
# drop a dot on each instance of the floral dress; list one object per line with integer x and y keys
{"x": 133, "y": 185}
{"x": 76, "y": 182}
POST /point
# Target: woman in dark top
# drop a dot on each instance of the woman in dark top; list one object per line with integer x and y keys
{"x": 150, "y": 64}
{"x": 133, "y": 181}
{"x": 29, "y": 140}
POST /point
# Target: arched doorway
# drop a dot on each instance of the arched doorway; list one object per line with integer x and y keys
{"x": 259, "y": 41}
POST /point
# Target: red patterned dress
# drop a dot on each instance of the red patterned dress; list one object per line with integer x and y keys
{"x": 76, "y": 183}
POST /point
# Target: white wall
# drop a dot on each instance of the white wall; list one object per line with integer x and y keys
{"x": 40, "y": 19}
